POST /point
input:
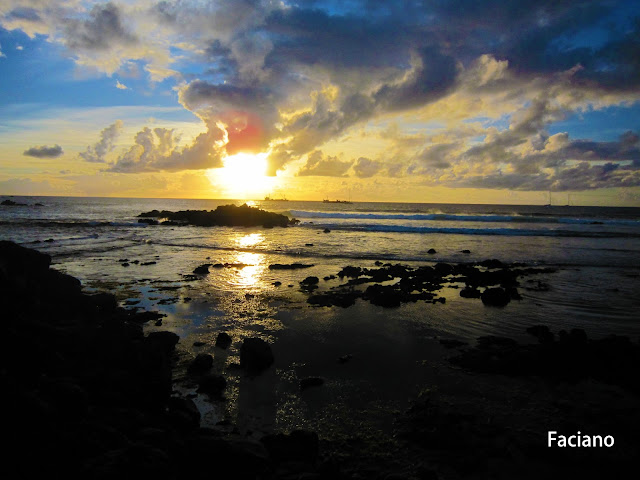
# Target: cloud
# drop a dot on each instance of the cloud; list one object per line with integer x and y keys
{"x": 365, "y": 167}
{"x": 473, "y": 89}
{"x": 320, "y": 165}
{"x": 121, "y": 86}
{"x": 158, "y": 150}
{"x": 108, "y": 137}
{"x": 44, "y": 151}
{"x": 103, "y": 29}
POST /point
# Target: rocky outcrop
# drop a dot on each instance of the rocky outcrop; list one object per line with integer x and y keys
{"x": 224, "y": 215}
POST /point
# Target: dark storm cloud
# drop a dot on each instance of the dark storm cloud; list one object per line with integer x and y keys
{"x": 101, "y": 30}
{"x": 201, "y": 94}
{"x": 44, "y": 151}
{"x": 434, "y": 77}
{"x": 314, "y": 37}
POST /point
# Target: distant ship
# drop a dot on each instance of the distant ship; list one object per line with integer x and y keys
{"x": 326, "y": 200}
{"x": 269, "y": 199}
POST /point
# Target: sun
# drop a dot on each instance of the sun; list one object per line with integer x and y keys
{"x": 243, "y": 176}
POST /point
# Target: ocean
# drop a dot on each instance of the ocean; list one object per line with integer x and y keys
{"x": 596, "y": 250}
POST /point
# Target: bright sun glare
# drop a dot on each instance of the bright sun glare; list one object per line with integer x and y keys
{"x": 243, "y": 175}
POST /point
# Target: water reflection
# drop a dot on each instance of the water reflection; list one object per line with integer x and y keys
{"x": 249, "y": 240}
{"x": 250, "y": 275}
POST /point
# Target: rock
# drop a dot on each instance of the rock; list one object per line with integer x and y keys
{"x": 148, "y": 221}
{"x": 345, "y": 358}
{"x": 309, "y": 283}
{"x": 326, "y": 230}
{"x": 495, "y": 297}
{"x": 431, "y": 251}
{"x": 223, "y": 340}
{"x": 292, "y": 266}
{"x": 384, "y": 295}
{"x": 276, "y": 284}
{"x": 255, "y": 355}
{"x": 451, "y": 343}
{"x": 465, "y": 251}
{"x": 202, "y": 363}
{"x": 469, "y": 292}
{"x": 308, "y": 244}
{"x": 148, "y": 263}
{"x": 542, "y": 333}
{"x": 311, "y": 382}
{"x": 300, "y": 446}
{"x": 350, "y": 272}
{"x": 202, "y": 269}
{"x": 104, "y": 301}
{"x": 212, "y": 385}
{"x": 163, "y": 340}
{"x": 199, "y": 344}
{"x": 184, "y": 411}
{"x": 225, "y": 215}
{"x": 339, "y": 299}
{"x": 11, "y": 203}
{"x": 493, "y": 263}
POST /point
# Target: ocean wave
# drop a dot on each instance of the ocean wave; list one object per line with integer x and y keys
{"x": 481, "y": 231}
{"x": 461, "y": 218}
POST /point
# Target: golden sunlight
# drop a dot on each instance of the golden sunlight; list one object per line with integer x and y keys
{"x": 243, "y": 176}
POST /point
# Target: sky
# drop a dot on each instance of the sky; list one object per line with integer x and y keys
{"x": 411, "y": 101}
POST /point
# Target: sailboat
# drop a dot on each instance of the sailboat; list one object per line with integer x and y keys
{"x": 548, "y": 205}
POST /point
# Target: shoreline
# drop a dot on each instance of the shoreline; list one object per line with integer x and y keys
{"x": 388, "y": 401}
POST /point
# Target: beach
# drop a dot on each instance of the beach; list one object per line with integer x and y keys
{"x": 372, "y": 313}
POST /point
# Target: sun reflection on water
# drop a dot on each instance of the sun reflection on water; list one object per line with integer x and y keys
{"x": 250, "y": 275}
{"x": 249, "y": 240}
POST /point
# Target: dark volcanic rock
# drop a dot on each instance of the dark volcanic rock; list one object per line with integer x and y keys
{"x": 300, "y": 446}
{"x": 496, "y": 297}
{"x": 223, "y": 340}
{"x": 212, "y": 385}
{"x": 225, "y": 215}
{"x": 148, "y": 221}
{"x": 202, "y": 363}
{"x": 431, "y": 251}
{"x": 311, "y": 382}
{"x": 468, "y": 292}
{"x": 11, "y": 203}
{"x": 452, "y": 343}
{"x": 255, "y": 355}
{"x": 290, "y": 266}
{"x": 542, "y": 333}
{"x": 202, "y": 269}
{"x": 384, "y": 296}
